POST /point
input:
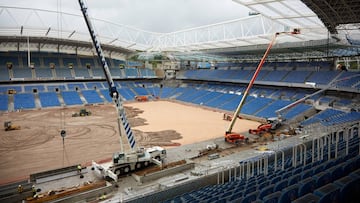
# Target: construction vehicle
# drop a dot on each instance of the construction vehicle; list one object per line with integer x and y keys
{"x": 9, "y": 126}
{"x": 82, "y": 112}
{"x": 275, "y": 123}
{"x": 134, "y": 158}
{"x": 141, "y": 98}
{"x": 271, "y": 125}
{"x": 233, "y": 137}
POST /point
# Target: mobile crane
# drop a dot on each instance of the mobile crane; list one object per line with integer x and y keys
{"x": 233, "y": 137}
{"x": 124, "y": 161}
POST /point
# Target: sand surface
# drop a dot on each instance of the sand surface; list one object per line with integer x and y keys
{"x": 38, "y": 146}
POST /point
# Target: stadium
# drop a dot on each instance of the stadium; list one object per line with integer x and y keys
{"x": 263, "y": 108}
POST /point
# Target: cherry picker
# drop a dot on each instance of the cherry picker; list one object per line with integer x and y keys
{"x": 233, "y": 137}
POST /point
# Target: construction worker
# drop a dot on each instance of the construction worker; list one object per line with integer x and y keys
{"x": 79, "y": 168}
{"x": 33, "y": 189}
{"x": 103, "y": 196}
{"x": 20, "y": 188}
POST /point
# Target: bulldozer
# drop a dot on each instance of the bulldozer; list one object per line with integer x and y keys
{"x": 82, "y": 112}
{"x": 9, "y": 126}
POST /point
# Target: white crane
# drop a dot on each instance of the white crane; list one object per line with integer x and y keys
{"x": 125, "y": 160}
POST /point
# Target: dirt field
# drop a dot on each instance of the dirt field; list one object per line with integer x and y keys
{"x": 38, "y": 146}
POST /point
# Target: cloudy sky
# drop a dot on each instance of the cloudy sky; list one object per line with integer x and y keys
{"x": 150, "y": 15}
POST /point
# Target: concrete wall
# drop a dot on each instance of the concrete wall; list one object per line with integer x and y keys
{"x": 166, "y": 172}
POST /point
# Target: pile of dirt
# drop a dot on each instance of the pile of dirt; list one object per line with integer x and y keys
{"x": 161, "y": 138}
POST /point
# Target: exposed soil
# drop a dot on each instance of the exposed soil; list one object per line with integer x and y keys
{"x": 38, "y": 146}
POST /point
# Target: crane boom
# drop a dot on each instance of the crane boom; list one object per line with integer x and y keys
{"x": 246, "y": 93}
{"x": 238, "y": 109}
{"x": 123, "y": 124}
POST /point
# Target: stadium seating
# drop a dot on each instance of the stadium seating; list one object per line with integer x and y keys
{"x": 4, "y": 102}
{"x": 49, "y": 99}
{"x": 24, "y": 101}
{"x": 4, "y": 74}
{"x": 275, "y": 186}
{"x": 44, "y": 73}
{"x": 71, "y": 98}
{"x": 22, "y": 73}
{"x": 91, "y": 96}
{"x": 82, "y": 72}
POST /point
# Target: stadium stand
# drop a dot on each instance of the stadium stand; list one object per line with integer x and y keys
{"x": 91, "y": 96}
{"x": 71, "y": 98}
{"x": 24, "y": 101}
{"x": 49, "y": 99}
{"x": 322, "y": 180}
{"x": 4, "y": 100}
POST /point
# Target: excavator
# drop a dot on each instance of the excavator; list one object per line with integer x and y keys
{"x": 233, "y": 137}
{"x": 8, "y": 126}
{"x": 133, "y": 158}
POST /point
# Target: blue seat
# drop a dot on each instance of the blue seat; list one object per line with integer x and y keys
{"x": 328, "y": 193}
{"x": 286, "y": 175}
{"x": 318, "y": 169}
{"x": 336, "y": 172}
{"x": 307, "y": 173}
{"x": 281, "y": 185}
{"x": 349, "y": 188}
{"x": 355, "y": 173}
{"x": 348, "y": 167}
{"x": 250, "y": 189}
{"x": 322, "y": 178}
{"x": 289, "y": 194}
{"x": 266, "y": 191}
{"x": 272, "y": 198}
{"x": 306, "y": 186}
{"x": 275, "y": 179}
{"x": 236, "y": 195}
{"x": 250, "y": 197}
{"x": 308, "y": 198}
{"x": 297, "y": 171}
{"x": 294, "y": 179}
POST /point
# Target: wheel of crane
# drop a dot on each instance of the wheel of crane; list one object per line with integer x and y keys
{"x": 126, "y": 169}
{"x": 146, "y": 163}
{"x": 138, "y": 165}
{"x": 118, "y": 171}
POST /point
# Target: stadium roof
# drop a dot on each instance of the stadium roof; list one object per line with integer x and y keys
{"x": 252, "y": 31}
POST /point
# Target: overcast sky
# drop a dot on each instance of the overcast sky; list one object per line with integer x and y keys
{"x": 150, "y": 15}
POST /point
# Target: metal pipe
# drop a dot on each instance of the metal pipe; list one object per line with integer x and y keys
{"x": 313, "y": 151}
{"x": 336, "y": 144}
{"x": 283, "y": 161}
{"x": 275, "y": 163}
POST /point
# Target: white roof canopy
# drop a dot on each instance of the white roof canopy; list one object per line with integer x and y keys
{"x": 276, "y": 16}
